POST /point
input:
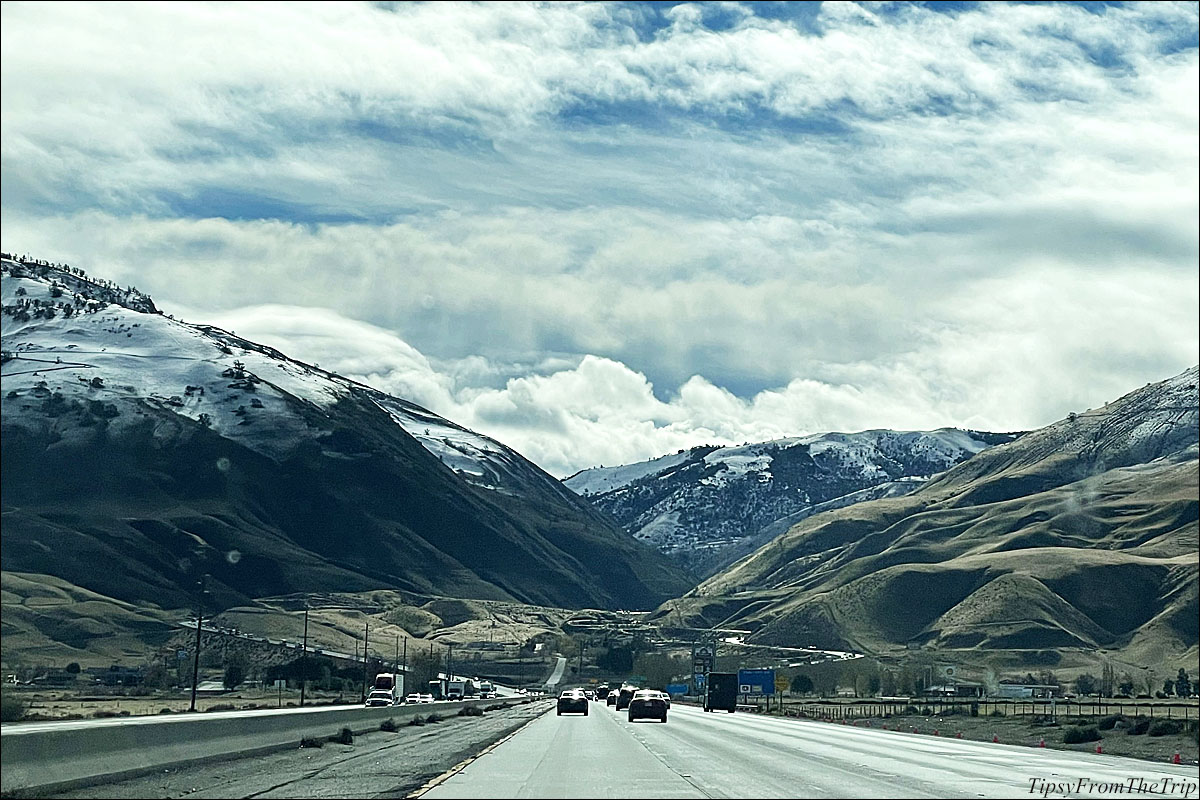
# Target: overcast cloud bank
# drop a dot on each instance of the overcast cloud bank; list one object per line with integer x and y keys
{"x": 600, "y": 233}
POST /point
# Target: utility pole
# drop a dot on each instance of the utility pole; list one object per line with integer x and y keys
{"x": 196, "y": 662}
{"x": 366, "y": 658}
{"x": 449, "y": 662}
{"x": 199, "y": 620}
{"x": 304, "y": 655}
{"x": 396, "y": 660}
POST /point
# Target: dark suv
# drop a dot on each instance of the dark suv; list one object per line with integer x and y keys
{"x": 624, "y": 696}
{"x": 572, "y": 701}
{"x": 647, "y": 704}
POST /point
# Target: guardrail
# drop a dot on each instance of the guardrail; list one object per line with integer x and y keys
{"x": 46, "y": 757}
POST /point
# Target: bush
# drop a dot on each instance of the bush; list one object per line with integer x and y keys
{"x": 974, "y": 709}
{"x": 104, "y": 713}
{"x": 309, "y": 741}
{"x": 221, "y": 707}
{"x": 433, "y": 718}
{"x": 1139, "y": 726}
{"x": 470, "y": 711}
{"x": 416, "y": 721}
{"x": 12, "y": 709}
{"x": 1081, "y": 734}
{"x": 388, "y": 725}
{"x": 166, "y": 710}
{"x": 910, "y": 710}
{"x": 1165, "y": 727}
{"x": 344, "y": 736}
{"x": 1110, "y": 721}
{"x": 995, "y": 712}
{"x": 927, "y": 711}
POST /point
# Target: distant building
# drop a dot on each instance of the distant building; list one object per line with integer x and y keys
{"x": 1030, "y": 690}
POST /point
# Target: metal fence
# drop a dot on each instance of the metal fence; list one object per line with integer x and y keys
{"x": 1093, "y": 707}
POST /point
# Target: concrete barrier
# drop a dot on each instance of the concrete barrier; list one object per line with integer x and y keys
{"x": 47, "y": 757}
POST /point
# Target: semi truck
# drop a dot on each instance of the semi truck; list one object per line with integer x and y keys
{"x": 721, "y": 691}
{"x": 391, "y": 682}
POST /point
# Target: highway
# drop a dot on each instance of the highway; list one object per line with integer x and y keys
{"x": 744, "y": 755}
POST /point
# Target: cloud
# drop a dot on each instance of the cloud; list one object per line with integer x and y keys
{"x": 603, "y": 231}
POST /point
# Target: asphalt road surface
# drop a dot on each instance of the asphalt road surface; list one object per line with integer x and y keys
{"x": 744, "y": 755}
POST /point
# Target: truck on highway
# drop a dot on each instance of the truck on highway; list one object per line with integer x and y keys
{"x": 390, "y": 682}
{"x": 456, "y": 690}
{"x": 721, "y": 691}
{"x": 487, "y": 690}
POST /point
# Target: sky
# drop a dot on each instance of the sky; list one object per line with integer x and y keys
{"x": 604, "y": 232}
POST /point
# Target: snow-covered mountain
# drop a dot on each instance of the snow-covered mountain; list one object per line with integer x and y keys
{"x": 709, "y": 505}
{"x": 196, "y": 438}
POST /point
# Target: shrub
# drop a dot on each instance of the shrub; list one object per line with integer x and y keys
{"x": 416, "y": 721}
{"x": 995, "y": 712}
{"x": 344, "y": 736}
{"x": 166, "y": 710}
{"x": 388, "y": 725}
{"x": 1165, "y": 727}
{"x": 1081, "y": 734}
{"x": 104, "y": 713}
{"x": 1139, "y": 726}
{"x": 221, "y": 707}
{"x": 433, "y": 718}
{"x": 470, "y": 711}
{"x": 927, "y": 711}
{"x": 974, "y": 709}
{"x": 909, "y": 710}
{"x": 309, "y": 741}
{"x": 1110, "y": 721}
{"x": 12, "y": 709}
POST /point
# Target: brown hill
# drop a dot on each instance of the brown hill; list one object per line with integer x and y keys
{"x": 1080, "y": 537}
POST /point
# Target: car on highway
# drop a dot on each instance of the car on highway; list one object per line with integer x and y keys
{"x": 572, "y": 701}
{"x": 624, "y": 696}
{"x": 412, "y": 698}
{"x": 589, "y": 694}
{"x": 611, "y": 699}
{"x": 380, "y": 697}
{"x": 426, "y": 698}
{"x": 647, "y": 704}
{"x": 666, "y": 698}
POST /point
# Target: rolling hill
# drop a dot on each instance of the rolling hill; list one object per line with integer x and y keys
{"x": 1078, "y": 538}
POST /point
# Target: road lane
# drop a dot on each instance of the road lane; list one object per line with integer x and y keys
{"x": 744, "y": 755}
{"x": 568, "y": 756}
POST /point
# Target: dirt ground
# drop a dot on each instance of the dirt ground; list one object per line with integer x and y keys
{"x": 1031, "y": 733}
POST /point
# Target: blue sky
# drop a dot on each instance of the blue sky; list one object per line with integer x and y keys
{"x": 602, "y": 232}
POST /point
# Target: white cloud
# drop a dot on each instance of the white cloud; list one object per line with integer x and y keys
{"x": 601, "y": 239}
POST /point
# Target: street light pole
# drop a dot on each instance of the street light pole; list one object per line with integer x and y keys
{"x": 304, "y": 655}
{"x": 366, "y": 659}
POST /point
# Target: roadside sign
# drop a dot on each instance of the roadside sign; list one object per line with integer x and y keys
{"x": 760, "y": 681}
{"x": 181, "y": 654}
{"x": 744, "y": 688}
{"x": 677, "y": 688}
{"x": 782, "y": 683}
{"x": 698, "y": 679}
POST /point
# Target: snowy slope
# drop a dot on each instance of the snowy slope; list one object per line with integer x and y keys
{"x": 706, "y": 505}
{"x": 149, "y": 446}
{"x": 194, "y": 370}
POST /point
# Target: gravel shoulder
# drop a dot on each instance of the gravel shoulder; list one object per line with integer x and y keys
{"x": 377, "y": 764}
{"x": 1033, "y": 731}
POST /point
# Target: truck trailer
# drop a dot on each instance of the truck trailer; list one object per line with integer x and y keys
{"x": 721, "y": 692}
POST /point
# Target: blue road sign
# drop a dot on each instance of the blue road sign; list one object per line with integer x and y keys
{"x": 676, "y": 688}
{"x": 699, "y": 680}
{"x": 759, "y": 681}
